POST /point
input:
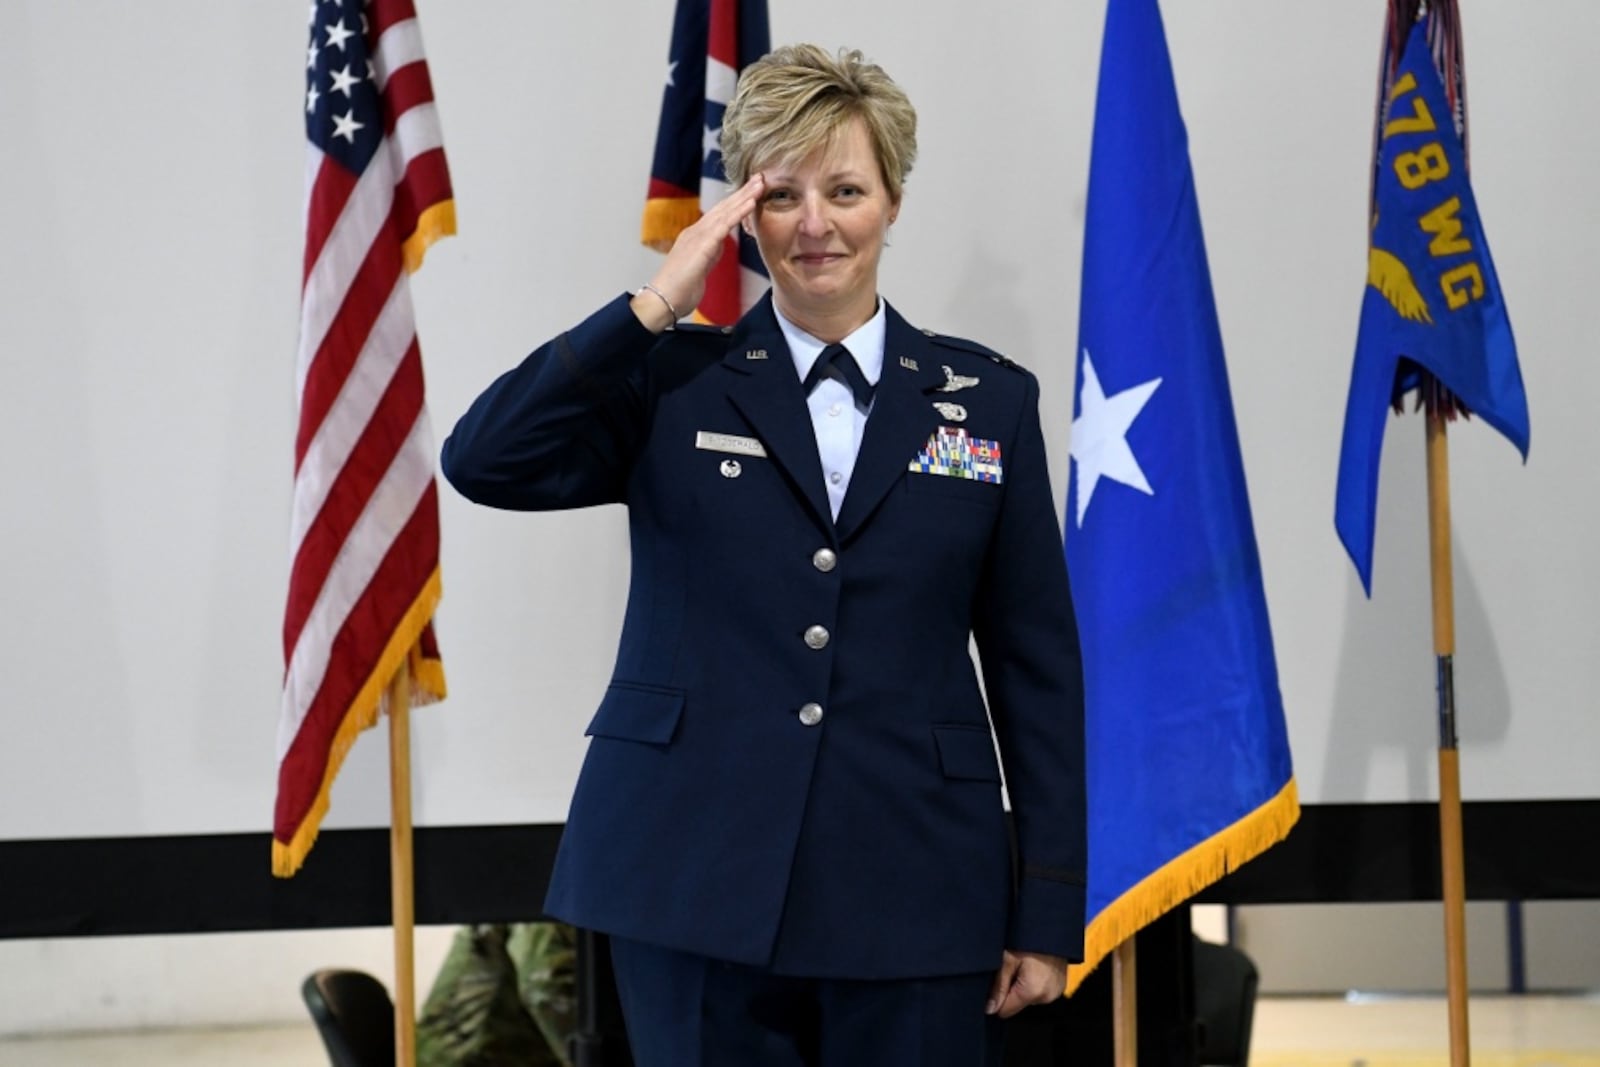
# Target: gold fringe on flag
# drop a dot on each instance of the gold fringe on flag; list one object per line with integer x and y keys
{"x": 437, "y": 221}
{"x": 427, "y": 686}
{"x": 665, "y": 218}
{"x": 427, "y": 677}
{"x": 1183, "y": 877}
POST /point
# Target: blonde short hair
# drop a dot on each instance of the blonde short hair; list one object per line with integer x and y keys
{"x": 794, "y": 99}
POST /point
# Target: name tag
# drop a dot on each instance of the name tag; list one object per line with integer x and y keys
{"x": 727, "y": 442}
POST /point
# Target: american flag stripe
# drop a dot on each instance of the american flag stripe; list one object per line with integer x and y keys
{"x": 409, "y": 86}
{"x": 398, "y": 48}
{"x": 423, "y": 199}
{"x": 357, "y": 398}
{"x": 387, "y": 15}
{"x": 359, "y": 439}
{"x": 369, "y": 447}
{"x": 415, "y": 132}
{"x": 331, "y": 717}
{"x": 417, "y": 198}
{"x": 391, "y": 506}
{"x": 371, "y": 289}
{"x": 353, "y": 223}
{"x": 326, "y": 195}
{"x": 354, "y": 484}
{"x": 355, "y": 233}
{"x": 383, "y": 594}
{"x": 364, "y": 533}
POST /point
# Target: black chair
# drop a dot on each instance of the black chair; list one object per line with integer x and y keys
{"x": 354, "y": 1015}
{"x": 1225, "y": 983}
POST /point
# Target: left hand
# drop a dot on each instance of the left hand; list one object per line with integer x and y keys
{"x": 1026, "y": 978}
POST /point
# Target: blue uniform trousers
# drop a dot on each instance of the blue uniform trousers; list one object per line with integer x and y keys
{"x": 685, "y": 1010}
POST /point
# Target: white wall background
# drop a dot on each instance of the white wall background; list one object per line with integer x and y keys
{"x": 153, "y": 186}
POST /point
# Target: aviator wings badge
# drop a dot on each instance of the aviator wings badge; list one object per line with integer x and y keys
{"x": 954, "y": 383}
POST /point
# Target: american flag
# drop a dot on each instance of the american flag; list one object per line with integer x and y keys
{"x": 365, "y": 530}
{"x": 712, "y": 41}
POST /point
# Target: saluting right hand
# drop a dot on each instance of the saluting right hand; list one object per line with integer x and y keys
{"x": 682, "y": 277}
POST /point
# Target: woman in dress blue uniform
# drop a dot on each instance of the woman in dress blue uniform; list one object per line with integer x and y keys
{"x": 790, "y": 819}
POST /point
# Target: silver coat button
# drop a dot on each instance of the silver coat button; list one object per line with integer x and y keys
{"x": 824, "y": 560}
{"x": 817, "y": 636}
{"x": 811, "y": 714}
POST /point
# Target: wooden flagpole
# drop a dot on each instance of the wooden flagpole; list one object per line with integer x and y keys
{"x": 401, "y": 882}
{"x": 1452, "y": 853}
{"x": 1125, "y": 1005}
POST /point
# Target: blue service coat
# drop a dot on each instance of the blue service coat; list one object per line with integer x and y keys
{"x": 792, "y": 765}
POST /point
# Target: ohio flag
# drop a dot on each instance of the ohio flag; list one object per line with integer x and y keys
{"x": 712, "y": 41}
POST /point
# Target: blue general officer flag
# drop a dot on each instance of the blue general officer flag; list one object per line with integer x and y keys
{"x": 1432, "y": 296}
{"x": 1188, "y": 757}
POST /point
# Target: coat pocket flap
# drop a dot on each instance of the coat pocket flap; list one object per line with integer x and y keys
{"x": 633, "y": 712}
{"x": 966, "y": 752}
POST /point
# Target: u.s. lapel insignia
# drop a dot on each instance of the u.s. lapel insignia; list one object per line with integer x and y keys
{"x": 954, "y": 383}
{"x": 756, "y": 353}
{"x": 908, "y": 363}
{"x": 731, "y": 469}
{"x": 953, "y": 412}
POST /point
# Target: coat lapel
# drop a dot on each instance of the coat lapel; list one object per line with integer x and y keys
{"x": 767, "y": 393}
{"x": 901, "y": 422}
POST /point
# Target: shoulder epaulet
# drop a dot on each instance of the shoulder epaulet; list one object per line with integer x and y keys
{"x": 961, "y": 344}
{"x": 701, "y": 328}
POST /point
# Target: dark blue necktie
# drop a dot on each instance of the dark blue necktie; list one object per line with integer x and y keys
{"x": 837, "y": 358}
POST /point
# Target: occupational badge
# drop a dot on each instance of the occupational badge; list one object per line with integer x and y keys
{"x": 954, "y": 383}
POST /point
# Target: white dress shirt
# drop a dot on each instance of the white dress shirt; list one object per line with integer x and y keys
{"x": 838, "y": 436}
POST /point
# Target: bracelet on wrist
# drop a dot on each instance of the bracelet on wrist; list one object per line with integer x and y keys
{"x": 647, "y": 287}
